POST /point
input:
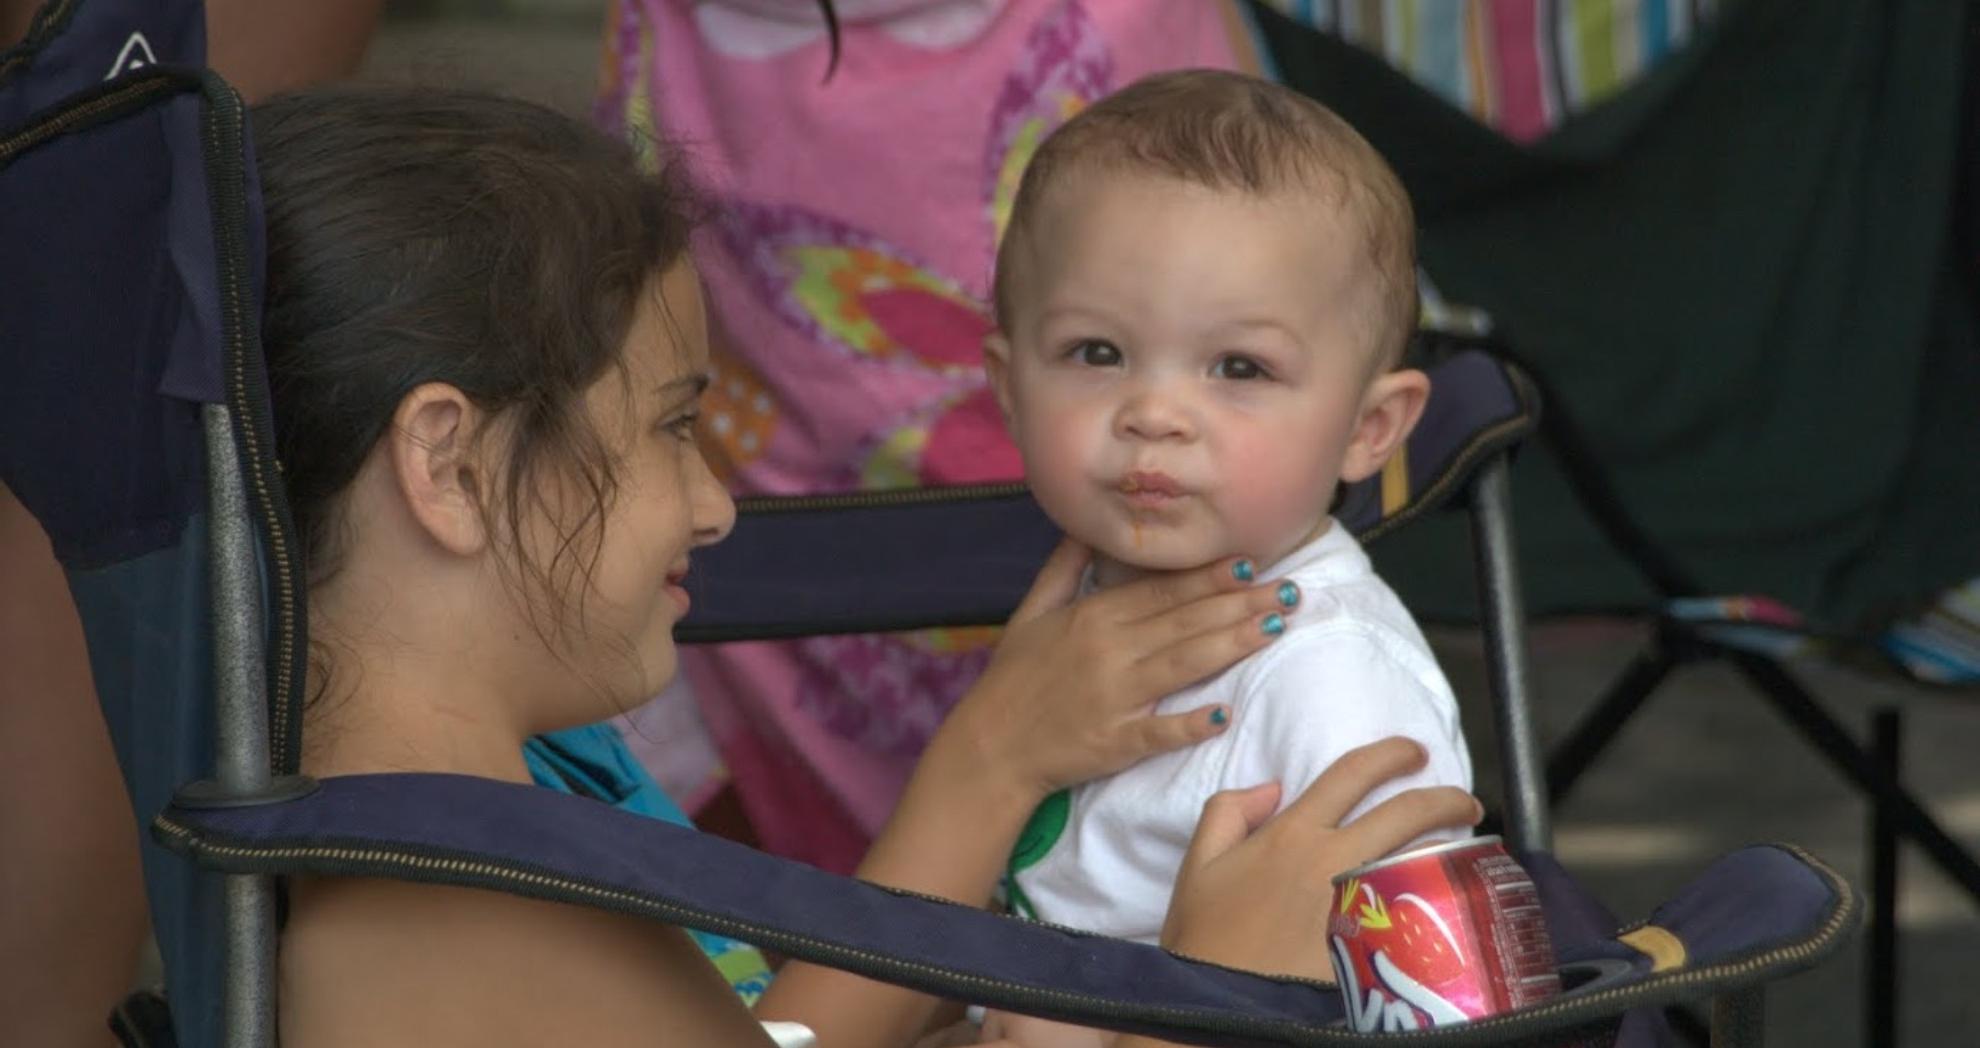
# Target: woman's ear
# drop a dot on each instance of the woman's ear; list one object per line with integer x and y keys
{"x": 997, "y": 365}
{"x": 1389, "y": 411}
{"x": 432, "y": 470}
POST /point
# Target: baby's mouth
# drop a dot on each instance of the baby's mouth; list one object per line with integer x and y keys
{"x": 1149, "y": 489}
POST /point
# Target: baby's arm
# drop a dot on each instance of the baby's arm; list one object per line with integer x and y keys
{"x": 1331, "y": 690}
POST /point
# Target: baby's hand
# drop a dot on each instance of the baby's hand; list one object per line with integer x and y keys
{"x": 1023, "y": 1031}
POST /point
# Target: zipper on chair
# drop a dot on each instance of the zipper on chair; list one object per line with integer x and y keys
{"x": 222, "y": 133}
{"x": 879, "y": 499}
{"x": 462, "y": 871}
{"x": 46, "y": 23}
{"x": 356, "y": 860}
{"x": 127, "y": 94}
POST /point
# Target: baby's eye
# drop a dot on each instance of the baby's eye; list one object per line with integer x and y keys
{"x": 1095, "y": 353}
{"x": 1238, "y": 368}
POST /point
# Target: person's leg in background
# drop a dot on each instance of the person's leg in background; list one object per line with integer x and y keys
{"x": 73, "y": 917}
{"x": 72, "y": 909}
{"x": 264, "y": 47}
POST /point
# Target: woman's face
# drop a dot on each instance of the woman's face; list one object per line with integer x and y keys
{"x": 619, "y": 626}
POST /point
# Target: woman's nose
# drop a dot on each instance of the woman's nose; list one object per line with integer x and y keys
{"x": 714, "y": 512}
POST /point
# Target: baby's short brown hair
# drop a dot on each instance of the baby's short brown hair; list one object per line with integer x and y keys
{"x": 1230, "y": 131}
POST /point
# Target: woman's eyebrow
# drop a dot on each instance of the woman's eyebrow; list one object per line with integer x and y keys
{"x": 686, "y": 387}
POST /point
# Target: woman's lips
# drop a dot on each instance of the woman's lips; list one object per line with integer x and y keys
{"x": 677, "y": 590}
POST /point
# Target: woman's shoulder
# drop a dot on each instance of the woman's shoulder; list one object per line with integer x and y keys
{"x": 379, "y": 962}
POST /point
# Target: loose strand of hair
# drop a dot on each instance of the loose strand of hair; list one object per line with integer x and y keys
{"x": 833, "y": 40}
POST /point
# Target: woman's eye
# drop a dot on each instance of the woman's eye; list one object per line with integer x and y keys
{"x": 1096, "y": 354}
{"x": 1238, "y": 368}
{"x": 683, "y": 426}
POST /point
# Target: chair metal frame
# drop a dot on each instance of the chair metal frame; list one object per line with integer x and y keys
{"x": 242, "y": 767}
{"x": 1870, "y": 768}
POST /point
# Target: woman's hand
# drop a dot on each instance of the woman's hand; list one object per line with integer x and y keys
{"x": 1067, "y": 696}
{"x": 1065, "y": 699}
{"x": 1255, "y": 888}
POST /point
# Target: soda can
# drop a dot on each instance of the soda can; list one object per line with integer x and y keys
{"x": 1440, "y": 935}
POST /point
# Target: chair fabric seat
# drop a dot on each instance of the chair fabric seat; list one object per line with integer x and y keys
{"x": 1752, "y": 917}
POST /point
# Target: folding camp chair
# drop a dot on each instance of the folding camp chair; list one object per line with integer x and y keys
{"x": 136, "y": 429}
{"x": 1753, "y": 636}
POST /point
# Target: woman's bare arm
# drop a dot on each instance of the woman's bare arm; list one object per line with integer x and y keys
{"x": 387, "y": 963}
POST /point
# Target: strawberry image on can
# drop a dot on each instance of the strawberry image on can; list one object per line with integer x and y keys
{"x": 1437, "y": 936}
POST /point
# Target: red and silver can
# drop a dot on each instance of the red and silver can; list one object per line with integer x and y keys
{"x": 1441, "y": 935}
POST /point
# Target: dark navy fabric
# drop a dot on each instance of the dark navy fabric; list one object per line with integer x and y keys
{"x": 112, "y": 340}
{"x": 789, "y": 569}
{"x": 383, "y": 825}
{"x": 111, "y": 319}
{"x": 1745, "y": 903}
{"x": 741, "y": 891}
{"x": 1583, "y": 933}
{"x": 842, "y": 570}
{"x": 1475, "y": 405}
{"x": 76, "y": 45}
{"x": 151, "y": 656}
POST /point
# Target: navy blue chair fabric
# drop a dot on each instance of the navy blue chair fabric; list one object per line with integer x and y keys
{"x": 100, "y": 439}
{"x": 876, "y": 561}
{"x": 73, "y": 46}
{"x": 89, "y": 392}
{"x": 114, "y": 331}
{"x": 1753, "y": 916}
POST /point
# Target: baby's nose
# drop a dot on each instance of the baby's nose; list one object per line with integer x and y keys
{"x": 1154, "y": 414}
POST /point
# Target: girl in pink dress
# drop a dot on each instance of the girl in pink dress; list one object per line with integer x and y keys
{"x": 847, "y": 275}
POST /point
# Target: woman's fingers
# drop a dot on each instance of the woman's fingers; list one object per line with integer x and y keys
{"x": 1160, "y": 594}
{"x": 1228, "y": 818}
{"x": 1254, "y": 887}
{"x": 1352, "y": 777}
{"x": 1217, "y": 610}
{"x": 1405, "y": 817}
{"x": 1160, "y": 733}
{"x": 1164, "y": 664}
{"x": 1056, "y": 584}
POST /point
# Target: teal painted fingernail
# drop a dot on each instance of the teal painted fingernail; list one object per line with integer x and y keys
{"x": 1219, "y": 717}
{"x": 1242, "y": 570}
{"x": 1273, "y": 625}
{"x": 1288, "y": 594}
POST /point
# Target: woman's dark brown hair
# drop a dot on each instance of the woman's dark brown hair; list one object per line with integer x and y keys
{"x": 419, "y": 235}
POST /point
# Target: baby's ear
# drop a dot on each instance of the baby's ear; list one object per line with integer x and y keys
{"x": 433, "y": 470}
{"x": 997, "y": 365}
{"x": 1389, "y": 411}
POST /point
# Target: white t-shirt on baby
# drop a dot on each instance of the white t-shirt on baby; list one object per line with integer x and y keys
{"x": 1351, "y": 668}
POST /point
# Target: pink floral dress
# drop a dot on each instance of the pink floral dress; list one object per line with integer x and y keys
{"x": 847, "y": 274}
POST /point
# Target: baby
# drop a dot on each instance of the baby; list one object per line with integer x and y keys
{"x": 1202, "y": 303}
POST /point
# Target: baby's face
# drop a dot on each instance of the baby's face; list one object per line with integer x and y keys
{"x": 1185, "y": 367}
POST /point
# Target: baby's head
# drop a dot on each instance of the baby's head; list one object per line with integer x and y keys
{"x": 1202, "y": 300}
{"x": 485, "y": 348}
